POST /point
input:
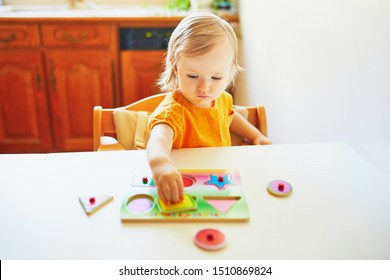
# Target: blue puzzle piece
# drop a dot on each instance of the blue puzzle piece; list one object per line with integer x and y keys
{"x": 219, "y": 181}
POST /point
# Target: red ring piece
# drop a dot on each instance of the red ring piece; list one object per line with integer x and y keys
{"x": 210, "y": 239}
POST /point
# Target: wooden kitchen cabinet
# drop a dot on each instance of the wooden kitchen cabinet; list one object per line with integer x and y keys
{"x": 48, "y": 89}
{"x": 140, "y": 71}
{"x": 24, "y": 112}
{"x": 81, "y": 74}
{"x": 78, "y": 80}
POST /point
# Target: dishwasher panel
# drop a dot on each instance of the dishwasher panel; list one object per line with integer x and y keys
{"x": 144, "y": 38}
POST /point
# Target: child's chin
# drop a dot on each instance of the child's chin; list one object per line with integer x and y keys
{"x": 205, "y": 104}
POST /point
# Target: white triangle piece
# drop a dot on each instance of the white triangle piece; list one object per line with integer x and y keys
{"x": 92, "y": 203}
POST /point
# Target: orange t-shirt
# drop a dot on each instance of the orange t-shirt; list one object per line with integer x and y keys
{"x": 194, "y": 126}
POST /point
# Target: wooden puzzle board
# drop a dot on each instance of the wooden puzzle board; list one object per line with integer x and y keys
{"x": 217, "y": 194}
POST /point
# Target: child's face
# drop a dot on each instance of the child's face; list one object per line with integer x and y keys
{"x": 203, "y": 78}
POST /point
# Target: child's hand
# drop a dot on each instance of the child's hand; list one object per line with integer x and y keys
{"x": 169, "y": 182}
{"x": 260, "y": 139}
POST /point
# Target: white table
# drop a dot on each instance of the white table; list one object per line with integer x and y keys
{"x": 339, "y": 208}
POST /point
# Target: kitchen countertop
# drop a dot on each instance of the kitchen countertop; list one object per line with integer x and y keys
{"x": 97, "y": 11}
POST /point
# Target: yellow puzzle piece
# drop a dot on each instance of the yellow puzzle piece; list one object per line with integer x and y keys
{"x": 187, "y": 204}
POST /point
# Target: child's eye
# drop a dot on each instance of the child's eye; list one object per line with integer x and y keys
{"x": 192, "y": 76}
{"x": 216, "y": 78}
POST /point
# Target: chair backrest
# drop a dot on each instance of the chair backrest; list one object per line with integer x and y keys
{"x": 103, "y": 120}
{"x": 256, "y": 115}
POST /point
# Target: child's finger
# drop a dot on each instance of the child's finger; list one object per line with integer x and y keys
{"x": 161, "y": 194}
{"x": 181, "y": 189}
{"x": 176, "y": 190}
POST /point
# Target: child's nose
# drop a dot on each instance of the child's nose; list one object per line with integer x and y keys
{"x": 203, "y": 85}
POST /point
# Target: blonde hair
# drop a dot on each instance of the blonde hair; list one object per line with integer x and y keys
{"x": 196, "y": 35}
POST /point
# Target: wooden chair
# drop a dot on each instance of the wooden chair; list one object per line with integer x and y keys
{"x": 104, "y": 127}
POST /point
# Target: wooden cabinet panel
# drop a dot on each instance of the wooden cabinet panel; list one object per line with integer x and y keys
{"x": 139, "y": 72}
{"x": 19, "y": 35}
{"x": 47, "y": 91}
{"x": 78, "y": 80}
{"x": 80, "y": 65}
{"x": 24, "y": 116}
{"x": 66, "y": 35}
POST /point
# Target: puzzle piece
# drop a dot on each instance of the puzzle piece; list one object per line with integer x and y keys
{"x": 279, "y": 188}
{"x": 219, "y": 181}
{"x": 210, "y": 239}
{"x": 187, "y": 204}
{"x": 91, "y": 204}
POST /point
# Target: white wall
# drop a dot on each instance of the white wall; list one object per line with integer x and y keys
{"x": 322, "y": 68}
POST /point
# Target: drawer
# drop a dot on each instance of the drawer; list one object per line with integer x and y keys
{"x": 19, "y": 35}
{"x": 76, "y": 34}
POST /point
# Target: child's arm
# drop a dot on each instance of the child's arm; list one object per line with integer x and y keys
{"x": 245, "y": 129}
{"x": 166, "y": 177}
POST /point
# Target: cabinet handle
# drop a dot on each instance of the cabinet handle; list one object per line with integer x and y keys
{"x": 38, "y": 78}
{"x": 113, "y": 83}
{"x": 69, "y": 38}
{"x": 52, "y": 77}
{"x": 11, "y": 37}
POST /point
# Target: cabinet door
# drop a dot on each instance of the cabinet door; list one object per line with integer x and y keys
{"x": 140, "y": 71}
{"x": 24, "y": 117}
{"x": 78, "y": 80}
